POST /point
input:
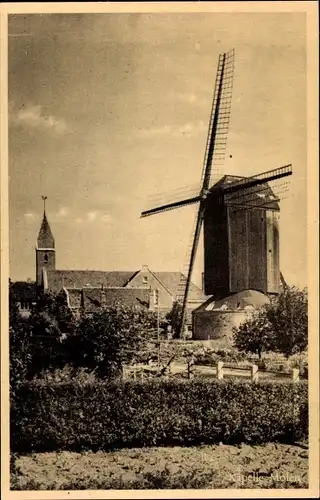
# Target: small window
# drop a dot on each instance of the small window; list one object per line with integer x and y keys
{"x": 46, "y": 258}
{"x": 145, "y": 279}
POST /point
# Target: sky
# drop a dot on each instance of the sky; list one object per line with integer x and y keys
{"x": 108, "y": 110}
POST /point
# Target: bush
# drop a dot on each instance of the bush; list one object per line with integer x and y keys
{"x": 52, "y": 338}
{"x": 110, "y": 338}
{"x": 78, "y": 416}
{"x": 19, "y": 343}
{"x": 280, "y": 326}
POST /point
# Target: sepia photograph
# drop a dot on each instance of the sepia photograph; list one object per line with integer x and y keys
{"x": 158, "y": 242}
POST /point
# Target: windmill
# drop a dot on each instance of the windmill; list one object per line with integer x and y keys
{"x": 239, "y": 214}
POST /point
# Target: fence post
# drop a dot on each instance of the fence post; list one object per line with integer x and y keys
{"x": 254, "y": 373}
{"x": 295, "y": 375}
{"x": 190, "y": 366}
{"x": 134, "y": 372}
{"x": 220, "y": 370}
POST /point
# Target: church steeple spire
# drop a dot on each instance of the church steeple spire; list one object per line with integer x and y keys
{"x": 44, "y": 203}
{"x": 45, "y": 237}
{"x": 45, "y": 249}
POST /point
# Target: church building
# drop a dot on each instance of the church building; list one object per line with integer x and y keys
{"x": 88, "y": 290}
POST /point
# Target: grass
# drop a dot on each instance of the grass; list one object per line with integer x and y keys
{"x": 216, "y": 466}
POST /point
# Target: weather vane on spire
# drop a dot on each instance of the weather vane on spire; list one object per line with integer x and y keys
{"x": 44, "y": 202}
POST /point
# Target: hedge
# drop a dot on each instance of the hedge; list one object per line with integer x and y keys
{"x": 108, "y": 415}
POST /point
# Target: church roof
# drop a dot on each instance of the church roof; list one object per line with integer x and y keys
{"x": 45, "y": 237}
{"x": 79, "y": 279}
{"x": 92, "y": 279}
{"x": 93, "y": 299}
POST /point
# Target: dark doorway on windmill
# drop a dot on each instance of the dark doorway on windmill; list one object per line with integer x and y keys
{"x": 46, "y": 258}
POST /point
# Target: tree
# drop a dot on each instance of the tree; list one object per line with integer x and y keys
{"x": 109, "y": 338}
{"x": 14, "y": 314}
{"x": 254, "y": 335}
{"x": 281, "y": 325}
{"x": 51, "y": 321}
{"x": 19, "y": 343}
{"x": 287, "y": 315}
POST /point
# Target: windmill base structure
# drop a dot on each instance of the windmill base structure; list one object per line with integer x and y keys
{"x": 239, "y": 216}
{"x": 215, "y": 320}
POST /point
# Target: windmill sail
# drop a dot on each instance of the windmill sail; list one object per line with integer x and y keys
{"x": 214, "y": 153}
{"x": 270, "y": 175}
{"x": 215, "y": 146}
{"x": 219, "y": 120}
{"x": 262, "y": 190}
{"x": 213, "y": 160}
{"x": 264, "y": 196}
{"x": 178, "y": 198}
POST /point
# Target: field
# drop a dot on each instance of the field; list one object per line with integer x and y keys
{"x": 275, "y": 466}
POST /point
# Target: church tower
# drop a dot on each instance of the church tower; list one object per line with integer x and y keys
{"x": 45, "y": 250}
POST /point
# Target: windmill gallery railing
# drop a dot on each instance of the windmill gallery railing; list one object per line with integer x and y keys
{"x": 219, "y": 371}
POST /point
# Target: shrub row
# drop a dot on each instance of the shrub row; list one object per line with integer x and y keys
{"x": 160, "y": 412}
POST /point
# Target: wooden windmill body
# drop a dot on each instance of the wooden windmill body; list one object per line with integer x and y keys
{"x": 239, "y": 215}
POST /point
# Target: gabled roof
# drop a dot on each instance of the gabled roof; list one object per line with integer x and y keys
{"x": 45, "y": 237}
{"x": 171, "y": 281}
{"x": 110, "y": 279}
{"x": 59, "y": 279}
{"x": 93, "y": 299}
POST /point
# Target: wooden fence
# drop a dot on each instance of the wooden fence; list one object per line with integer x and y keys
{"x": 220, "y": 371}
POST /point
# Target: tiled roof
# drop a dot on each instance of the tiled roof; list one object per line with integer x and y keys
{"x": 171, "y": 281}
{"x": 45, "y": 237}
{"x": 94, "y": 279}
{"x": 92, "y": 298}
{"x": 112, "y": 279}
{"x": 24, "y": 290}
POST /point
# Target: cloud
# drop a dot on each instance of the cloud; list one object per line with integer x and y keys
{"x": 188, "y": 129}
{"x": 192, "y": 98}
{"x": 184, "y": 97}
{"x": 33, "y": 116}
{"x": 29, "y": 217}
{"x": 91, "y": 216}
{"x": 78, "y": 220}
{"x": 63, "y": 212}
{"x": 106, "y": 218}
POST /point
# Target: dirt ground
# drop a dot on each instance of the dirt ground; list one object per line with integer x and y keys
{"x": 216, "y": 466}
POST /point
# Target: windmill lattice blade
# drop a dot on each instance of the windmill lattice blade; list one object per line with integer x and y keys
{"x": 170, "y": 206}
{"x": 198, "y": 225}
{"x": 186, "y": 264}
{"x": 262, "y": 178}
{"x": 178, "y": 198}
{"x": 219, "y": 120}
{"x": 262, "y": 195}
{"x": 267, "y": 206}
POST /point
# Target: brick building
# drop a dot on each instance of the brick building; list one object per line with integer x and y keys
{"x": 90, "y": 289}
